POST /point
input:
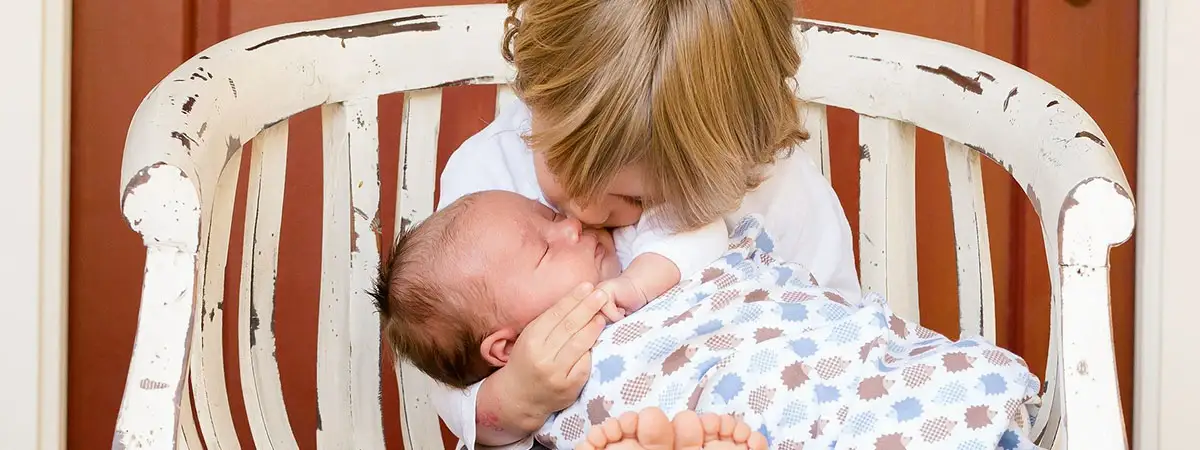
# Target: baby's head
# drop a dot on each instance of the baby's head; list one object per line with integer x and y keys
{"x": 460, "y": 286}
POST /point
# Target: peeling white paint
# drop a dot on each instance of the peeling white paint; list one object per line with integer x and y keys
{"x": 181, "y": 161}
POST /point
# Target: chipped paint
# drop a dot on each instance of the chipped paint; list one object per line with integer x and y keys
{"x": 1092, "y": 137}
{"x": 184, "y": 140}
{"x": 372, "y": 29}
{"x": 187, "y": 106}
{"x": 864, "y": 152}
{"x": 151, "y": 385}
{"x": 831, "y": 29}
{"x": 140, "y": 178}
{"x": 1052, "y": 103}
{"x": 968, "y": 84}
{"x": 1011, "y": 94}
{"x": 1033, "y": 198}
{"x": 466, "y": 81}
{"x": 254, "y": 321}
{"x": 232, "y": 145}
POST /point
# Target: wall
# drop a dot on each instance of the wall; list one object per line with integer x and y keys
{"x": 34, "y": 44}
{"x": 1168, "y": 244}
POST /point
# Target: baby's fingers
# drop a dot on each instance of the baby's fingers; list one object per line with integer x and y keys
{"x": 612, "y": 312}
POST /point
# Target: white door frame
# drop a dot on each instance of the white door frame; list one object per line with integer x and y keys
{"x": 1168, "y": 245}
{"x": 35, "y": 42}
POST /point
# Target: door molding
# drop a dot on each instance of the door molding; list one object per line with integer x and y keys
{"x": 35, "y": 42}
{"x": 1167, "y": 243}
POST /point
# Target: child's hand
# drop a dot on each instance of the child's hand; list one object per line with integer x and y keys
{"x": 625, "y": 293}
{"x": 551, "y": 359}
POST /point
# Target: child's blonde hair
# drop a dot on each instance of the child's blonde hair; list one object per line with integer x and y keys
{"x": 696, "y": 91}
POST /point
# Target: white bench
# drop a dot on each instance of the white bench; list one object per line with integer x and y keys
{"x": 181, "y": 166}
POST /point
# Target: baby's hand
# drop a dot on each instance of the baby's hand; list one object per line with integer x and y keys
{"x": 626, "y": 294}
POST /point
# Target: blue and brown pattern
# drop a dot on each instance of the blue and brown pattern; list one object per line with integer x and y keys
{"x": 806, "y": 366}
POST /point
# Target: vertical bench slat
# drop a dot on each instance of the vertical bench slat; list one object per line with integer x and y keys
{"x": 504, "y": 96}
{"x": 334, "y": 429}
{"x": 187, "y": 437}
{"x": 348, "y": 408}
{"x": 261, "y": 388}
{"x": 365, "y": 233}
{"x": 976, "y": 290}
{"x": 816, "y": 122}
{"x": 418, "y": 165}
{"x": 887, "y": 215}
{"x": 207, "y": 358}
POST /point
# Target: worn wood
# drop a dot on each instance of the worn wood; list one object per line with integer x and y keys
{"x": 161, "y": 205}
{"x": 504, "y": 96}
{"x": 816, "y": 122}
{"x": 418, "y": 157}
{"x": 195, "y": 127}
{"x": 207, "y": 361}
{"x": 976, "y": 291}
{"x": 362, "y": 144}
{"x": 334, "y": 424}
{"x": 887, "y": 216}
{"x": 261, "y": 388}
{"x": 188, "y": 436}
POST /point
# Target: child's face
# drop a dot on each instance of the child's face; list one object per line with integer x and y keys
{"x": 534, "y": 257}
{"x": 619, "y": 206}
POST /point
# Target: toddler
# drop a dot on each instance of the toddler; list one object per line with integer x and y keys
{"x": 666, "y": 120}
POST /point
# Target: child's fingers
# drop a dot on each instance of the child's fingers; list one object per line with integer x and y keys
{"x": 580, "y": 343}
{"x": 546, "y": 321}
{"x": 581, "y": 370}
{"x": 575, "y": 320}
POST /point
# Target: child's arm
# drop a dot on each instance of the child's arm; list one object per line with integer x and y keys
{"x": 547, "y": 368}
{"x": 661, "y": 259}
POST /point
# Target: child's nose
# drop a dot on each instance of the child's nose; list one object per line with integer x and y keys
{"x": 592, "y": 215}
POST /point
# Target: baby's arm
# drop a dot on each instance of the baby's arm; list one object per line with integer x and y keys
{"x": 656, "y": 259}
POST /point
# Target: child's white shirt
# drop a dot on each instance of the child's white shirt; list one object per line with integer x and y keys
{"x": 797, "y": 204}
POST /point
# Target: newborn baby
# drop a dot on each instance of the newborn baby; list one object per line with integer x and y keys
{"x": 476, "y": 273}
{"x": 465, "y": 282}
{"x": 749, "y": 335}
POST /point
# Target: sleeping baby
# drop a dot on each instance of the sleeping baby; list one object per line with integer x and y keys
{"x": 749, "y": 336}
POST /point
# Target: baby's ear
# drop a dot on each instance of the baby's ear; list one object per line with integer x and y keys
{"x": 496, "y": 347}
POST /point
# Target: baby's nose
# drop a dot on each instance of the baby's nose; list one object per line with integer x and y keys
{"x": 569, "y": 229}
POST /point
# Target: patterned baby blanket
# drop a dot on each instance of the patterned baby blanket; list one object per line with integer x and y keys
{"x": 806, "y": 367}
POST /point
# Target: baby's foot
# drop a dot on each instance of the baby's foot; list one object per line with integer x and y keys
{"x": 648, "y": 430}
{"x": 713, "y": 432}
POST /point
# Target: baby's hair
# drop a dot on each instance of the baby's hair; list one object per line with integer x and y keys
{"x": 431, "y": 317}
{"x": 696, "y": 91}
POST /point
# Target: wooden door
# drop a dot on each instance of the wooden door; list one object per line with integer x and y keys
{"x": 123, "y": 48}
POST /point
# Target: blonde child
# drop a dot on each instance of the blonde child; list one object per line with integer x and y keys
{"x": 667, "y": 119}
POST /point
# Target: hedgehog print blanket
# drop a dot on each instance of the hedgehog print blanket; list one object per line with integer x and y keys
{"x": 809, "y": 369}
